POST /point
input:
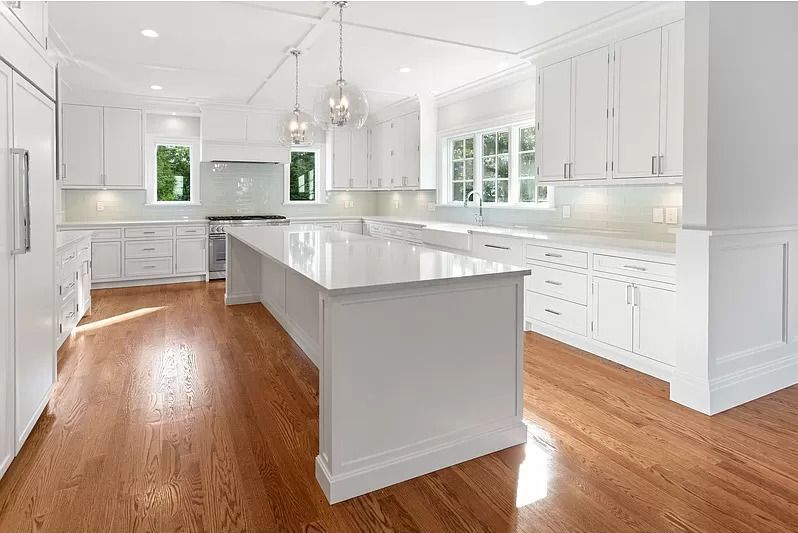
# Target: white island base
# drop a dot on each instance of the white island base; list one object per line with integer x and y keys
{"x": 420, "y": 352}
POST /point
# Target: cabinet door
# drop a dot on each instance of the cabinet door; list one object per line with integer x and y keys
{"x": 636, "y": 105}
{"x": 554, "y": 119}
{"x": 655, "y": 324}
{"x": 359, "y": 158}
{"x": 33, "y": 16}
{"x": 83, "y": 145}
{"x": 411, "y": 135}
{"x": 396, "y": 153}
{"x": 84, "y": 288}
{"x": 190, "y": 256}
{"x": 260, "y": 128}
{"x": 612, "y": 312}
{"x": 106, "y": 260}
{"x": 589, "y": 114}
{"x": 342, "y": 159}
{"x": 672, "y": 102}
{"x": 122, "y": 141}
{"x": 382, "y": 156}
{"x": 6, "y": 269}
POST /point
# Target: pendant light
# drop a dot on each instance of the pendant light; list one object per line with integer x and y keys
{"x": 297, "y": 128}
{"x": 341, "y": 105}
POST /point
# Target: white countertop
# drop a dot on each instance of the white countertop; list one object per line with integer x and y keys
{"x": 342, "y": 262}
{"x": 105, "y": 223}
{"x": 66, "y": 238}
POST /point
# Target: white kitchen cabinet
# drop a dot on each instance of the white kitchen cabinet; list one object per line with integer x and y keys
{"x": 655, "y": 323}
{"x": 395, "y": 156}
{"x": 32, "y": 15}
{"x": 122, "y": 142}
{"x": 410, "y": 175}
{"x": 380, "y": 157}
{"x": 671, "y": 117}
{"x": 223, "y": 125}
{"x": 359, "y": 158}
{"x": 190, "y": 255}
{"x": 612, "y": 312}
{"x": 341, "y": 159}
{"x": 554, "y": 122}
{"x": 590, "y": 81}
{"x": 106, "y": 260}
{"x": 352, "y": 227}
{"x": 82, "y": 127}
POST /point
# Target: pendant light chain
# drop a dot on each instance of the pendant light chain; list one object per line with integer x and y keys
{"x": 341, "y": 40}
{"x": 296, "y": 81}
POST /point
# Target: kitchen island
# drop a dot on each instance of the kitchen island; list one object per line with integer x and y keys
{"x": 420, "y": 352}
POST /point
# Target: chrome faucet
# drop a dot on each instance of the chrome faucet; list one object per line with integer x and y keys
{"x": 478, "y": 217}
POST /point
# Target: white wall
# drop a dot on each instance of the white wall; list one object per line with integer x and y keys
{"x": 511, "y": 99}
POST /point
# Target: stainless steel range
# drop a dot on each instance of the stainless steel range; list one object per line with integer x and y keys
{"x": 217, "y": 235}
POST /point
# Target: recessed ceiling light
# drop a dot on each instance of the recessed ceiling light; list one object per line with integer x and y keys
{"x": 533, "y": 2}
{"x": 149, "y": 33}
{"x": 174, "y": 114}
{"x": 502, "y": 65}
{"x": 404, "y": 70}
{"x": 156, "y": 87}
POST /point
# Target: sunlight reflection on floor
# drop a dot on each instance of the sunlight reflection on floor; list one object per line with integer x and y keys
{"x": 533, "y": 473}
{"x": 117, "y": 319}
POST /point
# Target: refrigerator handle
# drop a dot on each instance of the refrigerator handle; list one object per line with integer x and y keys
{"x": 15, "y": 183}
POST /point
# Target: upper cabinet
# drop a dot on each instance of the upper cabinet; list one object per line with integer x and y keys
{"x": 32, "y": 15}
{"x": 349, "y": 159}
{"x": 102, "y": 147}
{"x": 615, "y": 112}
{"x": 241, "y": 135}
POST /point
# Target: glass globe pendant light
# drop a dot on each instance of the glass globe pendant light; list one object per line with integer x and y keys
{"x": 297, "y": 128}
{"x": 341, "y": 105}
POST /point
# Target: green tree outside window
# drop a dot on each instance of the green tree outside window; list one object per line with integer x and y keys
{"x": 174, "y": 173}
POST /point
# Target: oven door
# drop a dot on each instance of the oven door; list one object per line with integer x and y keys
{"x": 217, "y": 256}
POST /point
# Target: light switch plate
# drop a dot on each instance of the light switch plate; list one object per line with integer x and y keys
{"x": 349, "y": 204}
{"x": 658, "y": 215}
{"x": 566, "y": 211}
{"x": 100, "y": 206}
{"x": 671, "y": 215}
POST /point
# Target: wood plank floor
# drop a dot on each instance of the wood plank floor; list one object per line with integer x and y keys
{"x": 173, "y": 412}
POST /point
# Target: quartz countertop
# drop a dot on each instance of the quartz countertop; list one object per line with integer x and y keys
{"x": 347, "y": 262}
{"x": 66, "y": 238}
{"x": 106, "y": 223}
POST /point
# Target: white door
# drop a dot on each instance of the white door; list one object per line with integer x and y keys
{"x": 589, "y": 114}
{"x": 6, "y": 277}
{"x": 612, "y": 312}
{"x": 554, "y": 119}
{"x": 122, "y": 146}
{"x": 671, "y": 119}
{"x": 654, "y": 323}
{"x": 360, "y": 158}
{"x": 342, "y": 159}
{"x": 636, "y": 103}
{"x": 34, "y": 271}
{"x": 190, "y": 256}
{"x": 82, "y": 127}
{"x": 106, "y": 260}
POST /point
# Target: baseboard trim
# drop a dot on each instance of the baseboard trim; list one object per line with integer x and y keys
{"x": 37, "y": 414}
{"x": 742, "y": 387}
{"x": 240, "y": 299}
{"x": 118, "y": 284}
{"x": 343, "y": 487}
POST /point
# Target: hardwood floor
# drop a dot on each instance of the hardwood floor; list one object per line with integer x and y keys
{"x": 173, "y": 412}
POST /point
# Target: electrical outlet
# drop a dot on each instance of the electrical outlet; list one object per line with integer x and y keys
{"x": 566, "y": 211}
{"x": 100, "y": 206}
{"x": 671, "y": 215}
{"x": 658, "y": 215}
{"x": 430, "y": 206}
{"x": 349, "y": 204}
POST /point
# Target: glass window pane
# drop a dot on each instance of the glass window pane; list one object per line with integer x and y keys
{"x": 489, "y": 191}
{"x": 543, "y": 193}
{"x": 457, "y": 170}
{"x": 503, "y": 140}
{"x": 527, "y": 190}
{"x": 173, "y": 173}
{"x": 527, "y": 141}
{"x": 469, "y": 169}
{"x": 503, "y": 190}
{"x": 469, "y": 186}
{"x": 469, "y": 147}
{"x": 457, "y": 191}
{"x": 302, "y": 182}
{"x": 488, "y": 168}
{"x": 489, "y": 144}
{"x": 457, "y": 150}
{"x": 526, "y": 167}
{"x": 503, "y": 170}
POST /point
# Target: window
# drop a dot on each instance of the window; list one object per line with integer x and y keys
{"x": 302, "y": 176}
{"x": 506, "y": 171}
{"x": 462, "y": 168}
{"x": 174, "y": 176}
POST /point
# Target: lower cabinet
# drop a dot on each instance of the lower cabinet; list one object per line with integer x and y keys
{"x": 106, "y": 259}
{"x": 190, "y": 255}
{"x": 612, "y": 312}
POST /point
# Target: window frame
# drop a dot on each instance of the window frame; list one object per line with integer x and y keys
{"x": 514, "y": 151}
{"x": 152, "y": 173}
{"x": 319, "y": 198}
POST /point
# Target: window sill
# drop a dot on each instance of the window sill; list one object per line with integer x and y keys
{"x": 172, "y": 204}
{"x": 527, "y": 207}
{"x": 304, "y": 203}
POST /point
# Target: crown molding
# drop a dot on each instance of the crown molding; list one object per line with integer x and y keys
{"x": 509, "y": 76}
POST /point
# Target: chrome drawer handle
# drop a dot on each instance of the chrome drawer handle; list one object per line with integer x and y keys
{"x": 148, "y": 232}
{"x": 553, "y": 312}
{"x": 148, "y": 249}
{"x": 635, "y": 267}
{"x": 558, "y": 256}
{"x": 189, "y": 231}
{"x": 148, "y": 266}
{"x": 496, "y": 246}
{"x": 70, "y": 285}
{"x": 69, "y": 315}
{"x": 550, "y": 282}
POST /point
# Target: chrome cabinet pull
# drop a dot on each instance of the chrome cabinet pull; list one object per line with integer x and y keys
{"x": 148, "y": 249}
{"x": 556, "y": 256}
{"x": 148, "y": 232}
{"x": 653, "y": 165}
{"x": 635, "y": 267}
{"x": 22, "y": 165}
{"x": 148, "y": 266}
{"x": 556, "y": 283}
{"x": 659, "y": 166}
{"x": 570, "y": 171}
{"x": 636, "y": 296}
{"x": 565, "y": 171}
{"x": 496, "y": 246}
{"x": 553, "y": 312}
{"x": 628, "y": 297}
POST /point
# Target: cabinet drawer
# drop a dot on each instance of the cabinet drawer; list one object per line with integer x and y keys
{"x": 106, "y": 234}
{"x": 160, "y": 248}
{"x": 84, "y": 251}
{"x": 559, "y": 313}
{"x": 635, "y": 267}
{"x": 556, "y": 255}
{"x": 570, "y": 286}
{"x": 68, "y": 258}
{"x": 499, "y": 248}
{"x": 68, "y": 316}
{"x": 67, "y": 284}
{"x": 191, "y": 231}
{"x": 138, "y": 233}
{"x": 148, "y": 267}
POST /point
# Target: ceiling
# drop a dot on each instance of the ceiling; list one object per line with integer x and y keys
{"x": 236, "y": 52}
